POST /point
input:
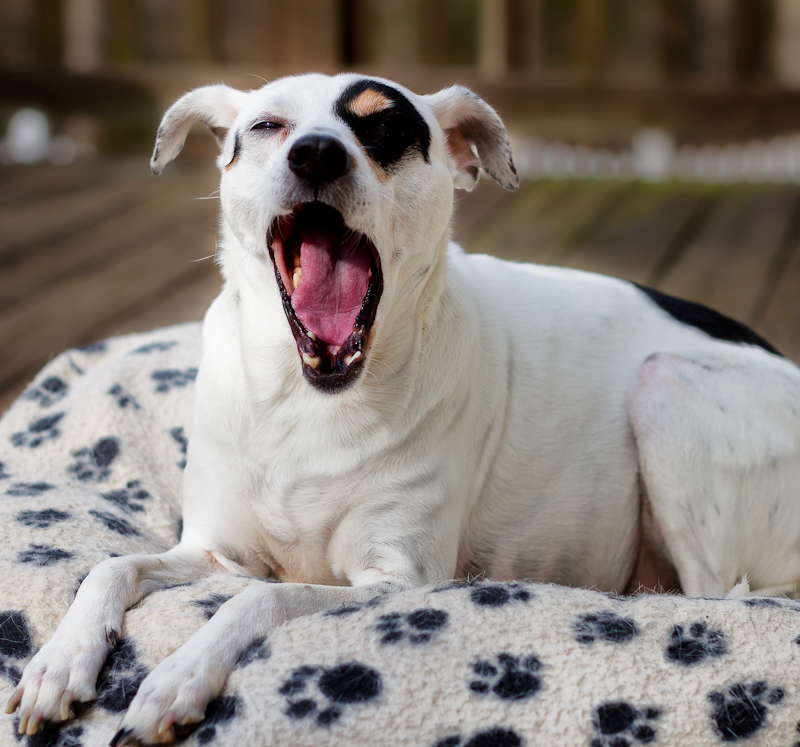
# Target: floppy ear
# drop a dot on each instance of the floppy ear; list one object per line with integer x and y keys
{"x": 215, "y": 106}
{"x": 476, "y": 138}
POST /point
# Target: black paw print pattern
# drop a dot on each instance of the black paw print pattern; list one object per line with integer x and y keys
{"x": 125, "y": 400}
{"x": 116, "y": 524}
{"x": 43, "y": 555}
{"x": 498, "y": 595}
{"x": 417, "y": 626}
{"x": 50, "y": 391}
{"x": 15, "y": 643}
{"x": 797, "y": 729}
{"x": 218, "y": 712}
{"x": 211, "y": 604}
{"x": 29, "y": 489}
{"x": 42, "y": 519}
{"x": 39, "y": 431}
{"x": 131, "y": 498}
{"x": 183, "y": 443}
{"x": 4, "y": 473}
{"x": 256, "y": 651}
{"x": 338, "y": 687}
{"x": 92, "y": 463}
{"x": 494, "y": 737}
{"x": 120, "y": 678}
{"x": 762, "y": 602}
{"x": 154, "y": 347}
{"x": 350, "y": 609}
{"x": 619, "y": 724}
{"x": 508, "y": 677}
{"x": 693, "y": 646}
{"x": 168, "y": 379}
{"x": 741, "y": 710}
{"x": 54, "y": 736}
{"x": 604, "y": 626}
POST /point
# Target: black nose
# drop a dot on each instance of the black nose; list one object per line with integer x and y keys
{"x": 318, "y": 159}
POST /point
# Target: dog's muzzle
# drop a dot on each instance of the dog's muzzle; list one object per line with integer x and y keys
{"x": 330, "y": 280}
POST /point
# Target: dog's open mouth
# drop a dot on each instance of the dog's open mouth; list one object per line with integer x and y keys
{"x": 330, "y": 280}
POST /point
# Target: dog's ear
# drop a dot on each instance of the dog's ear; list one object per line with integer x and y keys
{"x": 215, "y": 106}
{"x": 476, "y": 138}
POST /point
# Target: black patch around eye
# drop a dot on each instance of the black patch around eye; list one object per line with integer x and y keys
{"x": 389, "y": 134}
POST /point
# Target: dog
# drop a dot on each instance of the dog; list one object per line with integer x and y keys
{"x": 375, "y": 410}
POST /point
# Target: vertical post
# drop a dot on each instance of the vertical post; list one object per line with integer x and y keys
{"x": 786, "y": 44}
{"x": 493, "y": 40}
{"x": 83, "y": 35}
{"x": 716, "y": 34}
{"x": 592, "y": 36}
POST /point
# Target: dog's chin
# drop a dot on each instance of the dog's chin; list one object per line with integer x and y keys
{"x": 330, "y": 279}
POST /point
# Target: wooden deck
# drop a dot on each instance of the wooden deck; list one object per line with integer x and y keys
{"x": 103, "y": 248}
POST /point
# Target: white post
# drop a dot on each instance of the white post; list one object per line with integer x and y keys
{"x": 83, "y": 29}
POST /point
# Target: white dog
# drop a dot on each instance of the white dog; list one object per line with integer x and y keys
{"x": 376, "y": 410}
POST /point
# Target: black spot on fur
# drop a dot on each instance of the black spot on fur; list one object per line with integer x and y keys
{"x": 741, "y": 710}
{"x": 131, "y": 498}
{"x": 42, "y": 519}
{"x": 388, "y": 135}
{"x": 116, "y": 524}
{"x": 211, "y": 604}
{"x": 43, "y": 555}
{"x": 510, "y": 677}
{"x": 29, "y": 489}
{"x": 50, "y": 391}
{"x": 15, "y": 637}
{"x": 619, "y": 724}
{"x": 92, "y": 464}
{"x": 709, "y": 321}
{"x": 154, "y": 347}
{"x": 418, "y": 626}
{"x": 604, "y": 626}
{"x": 125, "y": 400}
{"x": 219, "y": 711}
{"x": 696, "y": 645}
{"x": 39, "y": 431}
{"x": 120, "y": 678}
{"x": 168, "y": 379}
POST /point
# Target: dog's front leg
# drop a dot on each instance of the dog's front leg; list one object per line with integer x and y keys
{"x": 178, "y": 690}
{"x": 66, "y": 668}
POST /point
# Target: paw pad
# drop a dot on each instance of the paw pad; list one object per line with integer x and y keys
{"x": 337, "y": 687}
{"x": 694, "y": 646}
{"x": 498, "y": 595}
{"x": 604, "y": 626}
{"x": 418, "y": 626}
{"x": 509, "y": 677}
{"x": 619, "y": 724}
{"x": 741, "y": 710}
{"x": 495, "y": 737}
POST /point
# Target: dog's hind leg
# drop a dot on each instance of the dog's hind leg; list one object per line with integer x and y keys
{"x": 66, "y": 668}
{"x": 718, "y": 443}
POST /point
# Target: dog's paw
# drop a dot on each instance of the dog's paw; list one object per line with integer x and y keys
{"x": 64, "y": 670}
{"x": 174, "y": 694}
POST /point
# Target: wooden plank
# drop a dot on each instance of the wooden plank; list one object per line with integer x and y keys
{"x": 635, "y": 239}
{"x": 47, "y": 323}
{"x": 727, "y": 264}
{"x": 167, "y": 204}
{"x": 54, "y": 218}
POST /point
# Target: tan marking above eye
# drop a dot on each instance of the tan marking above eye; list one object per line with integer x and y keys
{"x": 369, "y": 102}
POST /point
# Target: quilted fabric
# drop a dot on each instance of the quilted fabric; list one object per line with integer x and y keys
{"x": 91, "y": 458}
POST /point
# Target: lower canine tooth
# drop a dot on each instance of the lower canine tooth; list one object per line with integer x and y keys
{"x": 311, "y": 360}
{"x": 354, "y": 357}
{"x": 298, "y": 273}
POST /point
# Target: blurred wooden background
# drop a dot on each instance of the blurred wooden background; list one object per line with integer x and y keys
{"x": 101, "y": 247}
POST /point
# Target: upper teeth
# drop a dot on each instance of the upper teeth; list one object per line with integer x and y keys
{"x": 298, "y": 273}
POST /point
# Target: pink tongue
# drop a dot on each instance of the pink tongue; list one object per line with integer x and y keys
{"x": 333, "y": 285}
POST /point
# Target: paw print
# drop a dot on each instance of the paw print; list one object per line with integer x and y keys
{"x": 29, "y": 489}
{"x": 498, "y": 595}
{"x": 124, "y": 398}
{"x": 741, "y": 710}
{"x": 621, "y": 725}
{"x": 15, "y": 642}
{"x": 418, "y": 626}
{"x": 512, "y": 678}
{"x": 131, "y": 498}
{"x": 339, "y": 686}
{"x": 116, "y": 524}
{"x": 696, "y": 645}
{"x": 41, "y": 430}
{"x": 183, "y": 443}
{"x": 154, "y": 347}
{"x": 92, "y": 464}
{"x": 604, "y": 626}
{"x": 50, "y": 391}
{"x": 42, "y": 519}
{"x": 167, "y": 379}
{"x": 218, "y": 712}
{"x": 120, "y": 677}
{"x": 43, "y": 555}
{"x": 494, "y": 737}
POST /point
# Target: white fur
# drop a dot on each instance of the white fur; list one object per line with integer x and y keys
{"x": 503, "y": 423}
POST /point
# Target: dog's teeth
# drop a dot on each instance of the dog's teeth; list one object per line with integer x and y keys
{"x": 311, "y": 360}
{"x": 354, "y": 357}
{"x": 298, "y": 273}
{"x": 311, "y": 336}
